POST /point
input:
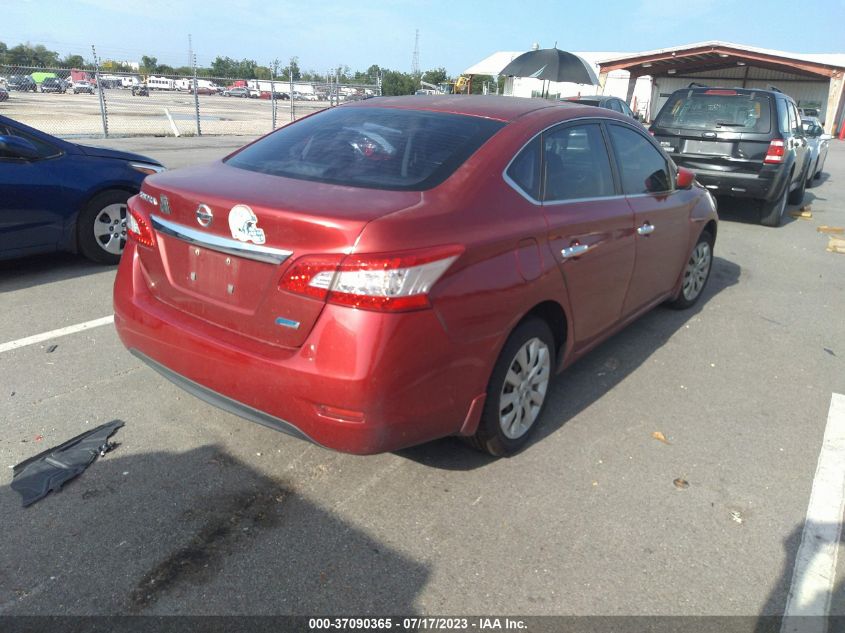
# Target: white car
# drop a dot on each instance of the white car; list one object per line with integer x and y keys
{"x": 817, "y": 144}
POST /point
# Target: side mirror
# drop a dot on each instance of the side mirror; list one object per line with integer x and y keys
{"x": 685, "y": 178}
{"x": 17, "y": 147}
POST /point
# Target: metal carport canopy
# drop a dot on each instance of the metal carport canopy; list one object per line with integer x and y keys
{"x": 715, "y": 55}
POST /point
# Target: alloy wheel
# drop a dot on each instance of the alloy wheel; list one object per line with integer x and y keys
{"x": 110, "y": 228}
{"x": 698, "y": 267}
{"x": 524, "y": 388}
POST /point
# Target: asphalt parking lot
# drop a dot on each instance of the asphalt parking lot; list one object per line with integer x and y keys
{"x": 200, "y": 512}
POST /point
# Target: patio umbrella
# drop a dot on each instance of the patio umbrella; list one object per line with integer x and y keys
{"x": 552, "y": 64}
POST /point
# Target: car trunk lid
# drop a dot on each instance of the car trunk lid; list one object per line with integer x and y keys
{"x": 224, "y": 237}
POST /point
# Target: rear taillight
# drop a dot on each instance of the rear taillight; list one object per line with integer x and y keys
{"x": 776, "y": 152}
{"x": 138, "y": 229}
{"x": 393, "y": 282}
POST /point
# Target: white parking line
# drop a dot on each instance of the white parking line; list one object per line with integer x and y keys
{"x": 815, "y": 563}
{"x": 64, "y": 331}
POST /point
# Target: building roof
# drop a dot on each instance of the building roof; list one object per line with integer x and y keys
{"x": 493, "y": 64}
{"x": 717, "y": 55}
{"x": 831, "y": 59}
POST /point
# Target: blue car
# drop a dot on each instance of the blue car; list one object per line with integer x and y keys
{"x": 56, "y": 195}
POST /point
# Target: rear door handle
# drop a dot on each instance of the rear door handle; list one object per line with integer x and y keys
{"x": 574, "y": 250}
{"x": 646, "y": 229}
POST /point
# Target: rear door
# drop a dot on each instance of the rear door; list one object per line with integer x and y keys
{"x": 590, "y": 226}
{"x": 717, "y": 129}
{"x": 661, "y": 215}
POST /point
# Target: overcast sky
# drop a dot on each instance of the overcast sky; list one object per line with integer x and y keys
{"x": 453, "y": 33}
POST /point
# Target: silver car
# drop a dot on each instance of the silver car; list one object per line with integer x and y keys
{"x": 817, "y": 144}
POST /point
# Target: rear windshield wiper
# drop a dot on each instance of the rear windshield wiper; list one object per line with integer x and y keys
{"x": 729, "y": 124}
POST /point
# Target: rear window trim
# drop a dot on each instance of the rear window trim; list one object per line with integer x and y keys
{"x": 428, "y": 183}
{"x": 736, "y": 92}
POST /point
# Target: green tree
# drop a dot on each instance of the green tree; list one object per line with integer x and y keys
{"x": 149, "y": 65}
{"x": 478, "y": 82}
{"x": 293, "y": 69}
{"x": 28, "y": 55}
{"x": 73, "y": 61}
{"x": 395, "y": 83}
{"x": 3, "y": 50}
{"x": 435, "y": 76}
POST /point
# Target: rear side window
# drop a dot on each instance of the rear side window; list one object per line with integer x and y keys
{"x": 525, "y": 169}
{"x": 613, "y": 104}
{"x": 643, "y": 168}
{"x": 794, "y": 125}
{"x": 717, "y": 109}
{"x": 576, "y": 164}
{"x": 381, "y": 148}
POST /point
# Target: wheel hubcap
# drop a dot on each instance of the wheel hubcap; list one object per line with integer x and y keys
{"x": 696, "y": 271}
{"x": 525, "y": 388}
{"x": 110, "y": 228}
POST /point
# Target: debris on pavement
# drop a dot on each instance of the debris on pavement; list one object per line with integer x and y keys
{"x": 829, "y": 351}
{"x": 836, "y": 245}
{"x": 832, "y": 230}
{"x": 660, "y": 437}
{"x": 681, "y": 484}
{"x": 736, "y": 517}
{"x": 37, "y": 476}
{"x": 52, "y": 349}
{"x": 803, "y": 215}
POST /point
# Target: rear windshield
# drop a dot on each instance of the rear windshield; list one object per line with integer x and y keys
{"x": 717, "y": 110}
{"x": 382, "y": 148}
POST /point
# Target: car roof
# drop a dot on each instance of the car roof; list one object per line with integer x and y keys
{"x": 773, "y": 93}
{"x": 488, "y": 106}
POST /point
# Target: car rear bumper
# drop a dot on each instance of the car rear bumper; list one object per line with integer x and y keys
{"x": 765, "y": 185}
{"x": 363, "y": 382}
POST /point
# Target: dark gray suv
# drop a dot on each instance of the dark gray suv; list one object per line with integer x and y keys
{"x": 740, "y": 142}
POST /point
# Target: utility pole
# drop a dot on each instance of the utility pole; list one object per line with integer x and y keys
{"x": 290, "y": 93}
{"x": 100, "y": 92}
{"x": 273, "y": 90}
{"x": 196, "y": 94}
{"x": 190, "y": 50}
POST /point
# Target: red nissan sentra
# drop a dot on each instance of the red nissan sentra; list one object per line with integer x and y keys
{"x": 397, "y": 270}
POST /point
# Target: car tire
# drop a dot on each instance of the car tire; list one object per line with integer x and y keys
{"x": 106, "y": 210}
{"x": 696, "y": 273}
{"x": 772, "y": 212}
{"x": 521, "y": 377}
{"x": 797, "y": 196}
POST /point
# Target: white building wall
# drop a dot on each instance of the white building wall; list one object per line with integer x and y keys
{"x": 616, "y": 85}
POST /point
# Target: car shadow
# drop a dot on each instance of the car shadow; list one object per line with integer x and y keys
{"x": 748, "y": 211}
{"x": 27, "y": 272}
{"x": 589, "y": 379}
{"x": 192, "y": 533}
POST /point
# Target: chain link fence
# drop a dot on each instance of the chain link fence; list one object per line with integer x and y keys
{"x": 73, "y": 103}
